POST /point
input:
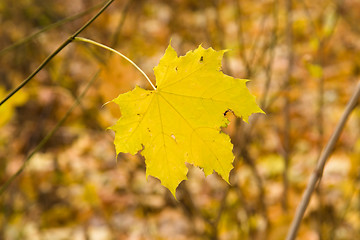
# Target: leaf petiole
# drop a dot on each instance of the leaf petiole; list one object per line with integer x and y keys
{"x": 80, "y": 39}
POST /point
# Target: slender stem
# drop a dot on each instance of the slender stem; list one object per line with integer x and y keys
{"x": 80, "y": 39}
{"x": 316, "y": 175}
{"x": 51, "y": 56}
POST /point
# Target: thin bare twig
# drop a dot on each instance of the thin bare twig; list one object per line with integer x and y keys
{"x": 320, "y": 57}
{"x": 51, "y": 56}
{"x": 317, "y": 173}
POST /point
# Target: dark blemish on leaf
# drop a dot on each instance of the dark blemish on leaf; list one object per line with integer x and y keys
{"x": 229, "y": 110}
{"x": 202, "y": 59}
{"x": 148, "y": 129}
{"x": 176, "y": 68}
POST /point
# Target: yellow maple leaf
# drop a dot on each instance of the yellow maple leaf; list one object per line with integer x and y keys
{"x": 181, "y": 120}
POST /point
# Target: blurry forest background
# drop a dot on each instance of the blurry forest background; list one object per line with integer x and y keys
{"x": 303, "y": 61}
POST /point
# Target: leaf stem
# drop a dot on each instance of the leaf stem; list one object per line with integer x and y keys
{"x": 81, "y": 39}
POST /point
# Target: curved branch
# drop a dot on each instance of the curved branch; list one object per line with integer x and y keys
{"x": 317, "y": 173}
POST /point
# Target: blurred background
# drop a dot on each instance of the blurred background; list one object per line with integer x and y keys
{"x": 303, "y": 62}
